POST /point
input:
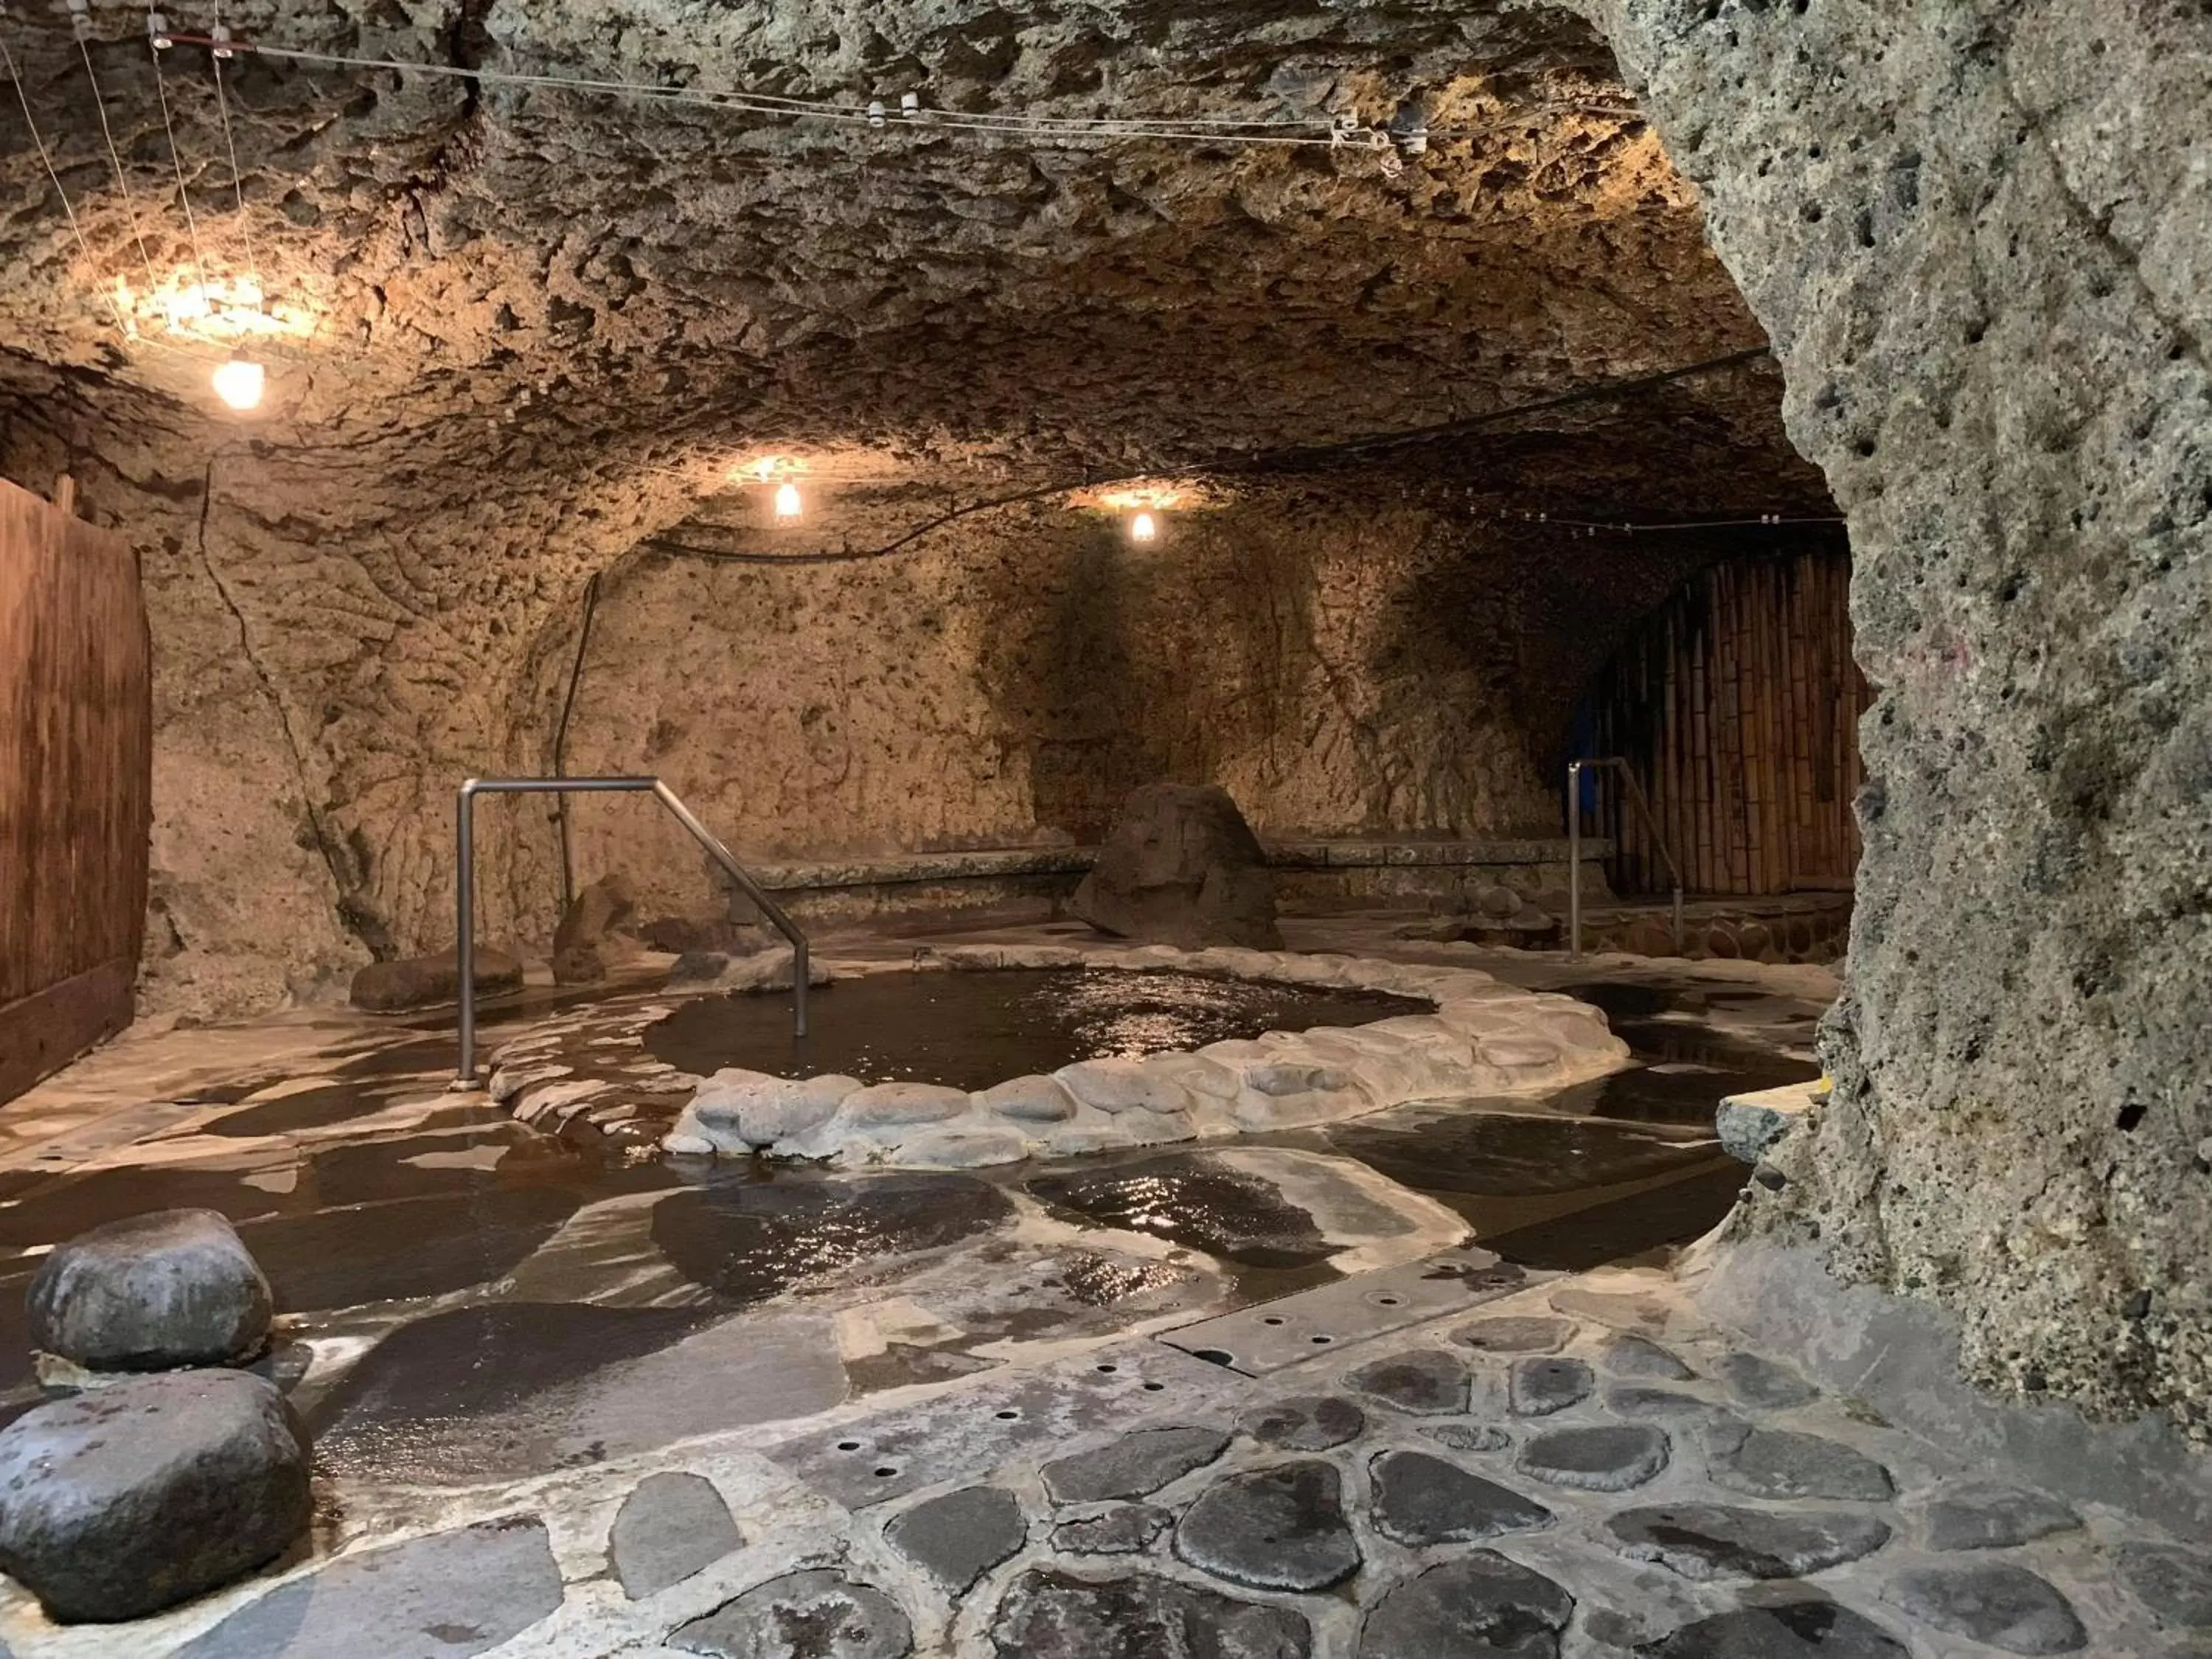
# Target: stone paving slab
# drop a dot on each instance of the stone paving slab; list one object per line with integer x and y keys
{"x": 1292, "y": 1330}
{"x": 871, "y": 1458}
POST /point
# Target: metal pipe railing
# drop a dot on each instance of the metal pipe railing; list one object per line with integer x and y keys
{"x": 1618, "y": 763}
{"x": 465, "y": 882}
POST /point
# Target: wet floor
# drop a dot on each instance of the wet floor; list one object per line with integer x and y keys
{"x": 465, "y": 1296}
{"x": 977, "y": 1028}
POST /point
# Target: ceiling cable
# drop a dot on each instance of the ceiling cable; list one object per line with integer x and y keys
{"x": 1328, "y": 133}
{"x": 1277, "y": 459}
{"x": 237, "y": 179}
{"x": 158, "y": 41}
{"x": 81, "y": 22}
{"x": 39, "y": 142}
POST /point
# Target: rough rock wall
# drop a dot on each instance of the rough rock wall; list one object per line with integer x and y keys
{"x": 1342, "y": 664}
{"x": 335, "y": 648}
{"x": 1979, "y": 235}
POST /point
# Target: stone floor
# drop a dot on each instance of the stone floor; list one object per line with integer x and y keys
{"x": 1454, "y": 1459}
{"x": 1331, "y": 1394}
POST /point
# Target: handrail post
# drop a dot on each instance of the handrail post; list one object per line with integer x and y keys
{"x": 465, "y": 928}
{"x": 1574, "y": 860}
{"x": 1643, "y": 805}
{"x": 465, "y": 946}
{"x": 800, "y": 963}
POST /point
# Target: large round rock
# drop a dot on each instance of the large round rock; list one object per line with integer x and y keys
{"x": 151, "y": 1292}
{"x": 123, "y": 1501}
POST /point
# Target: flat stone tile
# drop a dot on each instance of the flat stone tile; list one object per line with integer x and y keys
{"x": 1988, "y": 1515}
{"x": 1611, "y": 1457}
{"x": 1541, "y": 1386}
{"x": 1629, "y": 1355}
{"x": 2173, "y": 1582}
{"x": 1800, "y": 1630}
{"x": 1672, "y": 1406}
{"x": 1135, "y": 1466}
{"x": 1479, "y": 1606}
{"x": 1723, "y": 1541}
{"x": 1469, "y": 1437}
{"x": 1515, "y": 1333}
{"x": 1780, "y": 1463}
{"x": 1621, "y": 1311}
{"x": 1422, "y": 1500}
{"x": 1762, "y": 1384}
{"x": 1427, "y": 1383}
{"x": 669, "y": 1527}
{"x": 818, "y": 1614}
{"x": 1310, "y": 1424}
{"x": 444, "y": 1595}
{"x": 958, "y": 1538}
{"x": 1053, "y": 1616}
{"x": 2007, "y": 1606}
{"x": 1125, "y": 1530}
{"x": 1280, "y": 1529}
{"x": 965, "y": 1435}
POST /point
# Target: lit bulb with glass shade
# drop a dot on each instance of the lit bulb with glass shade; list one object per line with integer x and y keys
{"x": 787, "y": 502}
{"x": 239, "y": 383}
{"x": 1144, "y": 528}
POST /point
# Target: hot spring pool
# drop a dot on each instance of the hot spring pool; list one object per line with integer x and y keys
{"x": 990, "y": 1055}
{"x": 972, "y": 1029}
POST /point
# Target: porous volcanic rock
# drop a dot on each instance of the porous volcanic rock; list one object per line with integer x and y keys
{"x": 1182, "y": 868}
{"x": 836, "y": 1617}
{"x": 1480, "y": 1606}
{"x": 148, "y": 1292}
{"x": 2019, "y": 1055}
{"x": 581, "y": 943}
{"x": 431, "y": 981}
{"x": 121, "y": 1501}
{"x": 1050, "y": 1615}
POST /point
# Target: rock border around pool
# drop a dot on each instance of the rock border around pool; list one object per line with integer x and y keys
{"x": 1483, "y": 1038}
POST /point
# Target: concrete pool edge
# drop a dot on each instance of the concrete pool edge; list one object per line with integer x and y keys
{"x": 1483, "y": 1038}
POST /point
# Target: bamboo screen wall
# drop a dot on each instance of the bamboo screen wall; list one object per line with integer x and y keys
{"x": 1738, "y": 707}
{"x": 76, "y": 779}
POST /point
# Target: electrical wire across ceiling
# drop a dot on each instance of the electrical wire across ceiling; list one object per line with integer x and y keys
{"x": 1290, "y": 458}
{"x": 1326, "y": 132}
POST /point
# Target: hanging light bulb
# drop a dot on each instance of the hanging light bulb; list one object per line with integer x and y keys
{"x": 239, "y": 383}
{"x": 1144, "y": 528}
{"x": 787, "y": 502}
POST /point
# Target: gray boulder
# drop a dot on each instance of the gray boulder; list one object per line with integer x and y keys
{"x": 1182, "y": 868}
{"x": 394, "y": 987}
{"x": 151, "y": 1292}
{"x": 584, "y": 945}
{"x": 128, "y": 1499}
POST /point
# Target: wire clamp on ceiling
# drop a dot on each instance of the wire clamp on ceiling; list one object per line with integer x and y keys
{"x": 157, "y": 31}
{"x": 81, "y": 18}
{"x": 220, "y": 34}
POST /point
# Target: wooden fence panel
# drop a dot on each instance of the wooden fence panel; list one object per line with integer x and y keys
{"x": 1738, "y": 706}
{"x": 76, "y": 785}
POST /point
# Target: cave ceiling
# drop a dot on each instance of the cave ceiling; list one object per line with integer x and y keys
{"x": 476, "y": 289}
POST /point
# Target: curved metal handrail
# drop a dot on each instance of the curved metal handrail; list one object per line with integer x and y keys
{"x": 1618, "y": 763}
{"x": 464, "y": 1075}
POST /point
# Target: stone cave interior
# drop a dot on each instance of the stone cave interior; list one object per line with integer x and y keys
{"x": 1281, "y": 828}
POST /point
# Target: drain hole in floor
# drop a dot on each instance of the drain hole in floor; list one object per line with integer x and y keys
{"x": 1213, "y": 1356}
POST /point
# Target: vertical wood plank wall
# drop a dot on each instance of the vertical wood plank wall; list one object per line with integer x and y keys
{"x": 76, "y": 785}
{"x": 1738, "y": 707}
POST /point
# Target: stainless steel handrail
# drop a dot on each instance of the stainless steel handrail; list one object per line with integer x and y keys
{"x": 465, "y": 883}
{"x": 1620, "y": 764}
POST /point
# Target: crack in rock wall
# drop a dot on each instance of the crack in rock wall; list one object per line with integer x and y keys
{"x": 1978, "y": 235}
